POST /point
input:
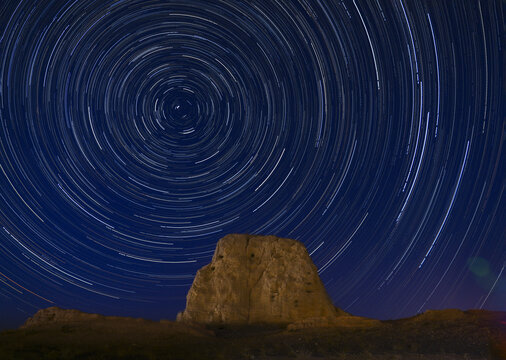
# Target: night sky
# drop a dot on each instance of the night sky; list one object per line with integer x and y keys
{"x": 136, "y": 133}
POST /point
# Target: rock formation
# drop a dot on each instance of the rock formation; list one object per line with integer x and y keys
{"x": 54, "y": 315}
{"x": 259, "y": 279}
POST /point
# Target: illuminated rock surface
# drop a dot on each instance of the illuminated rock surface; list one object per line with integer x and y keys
{"x": 259, "y": 279}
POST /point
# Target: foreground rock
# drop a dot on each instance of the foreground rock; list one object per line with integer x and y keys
{"x": 259, "y": 279}
{"x": 56, "y": 315}
{"x": 58, "y": 318}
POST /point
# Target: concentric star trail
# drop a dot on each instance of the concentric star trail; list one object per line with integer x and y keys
{"x": 135, "y": 134}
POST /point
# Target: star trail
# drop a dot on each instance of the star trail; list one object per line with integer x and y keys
{"x": 135, "y": 134}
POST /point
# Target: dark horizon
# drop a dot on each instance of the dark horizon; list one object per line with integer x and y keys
{"x": 135, "y": 134}
{"x": 15, "y": 323}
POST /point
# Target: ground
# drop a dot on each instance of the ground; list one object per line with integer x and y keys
{"x": 477, "y": 335}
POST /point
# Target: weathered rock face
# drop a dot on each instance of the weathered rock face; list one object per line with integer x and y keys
{"x": 54, "y": 315}
{"x": 258, "y": 279}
